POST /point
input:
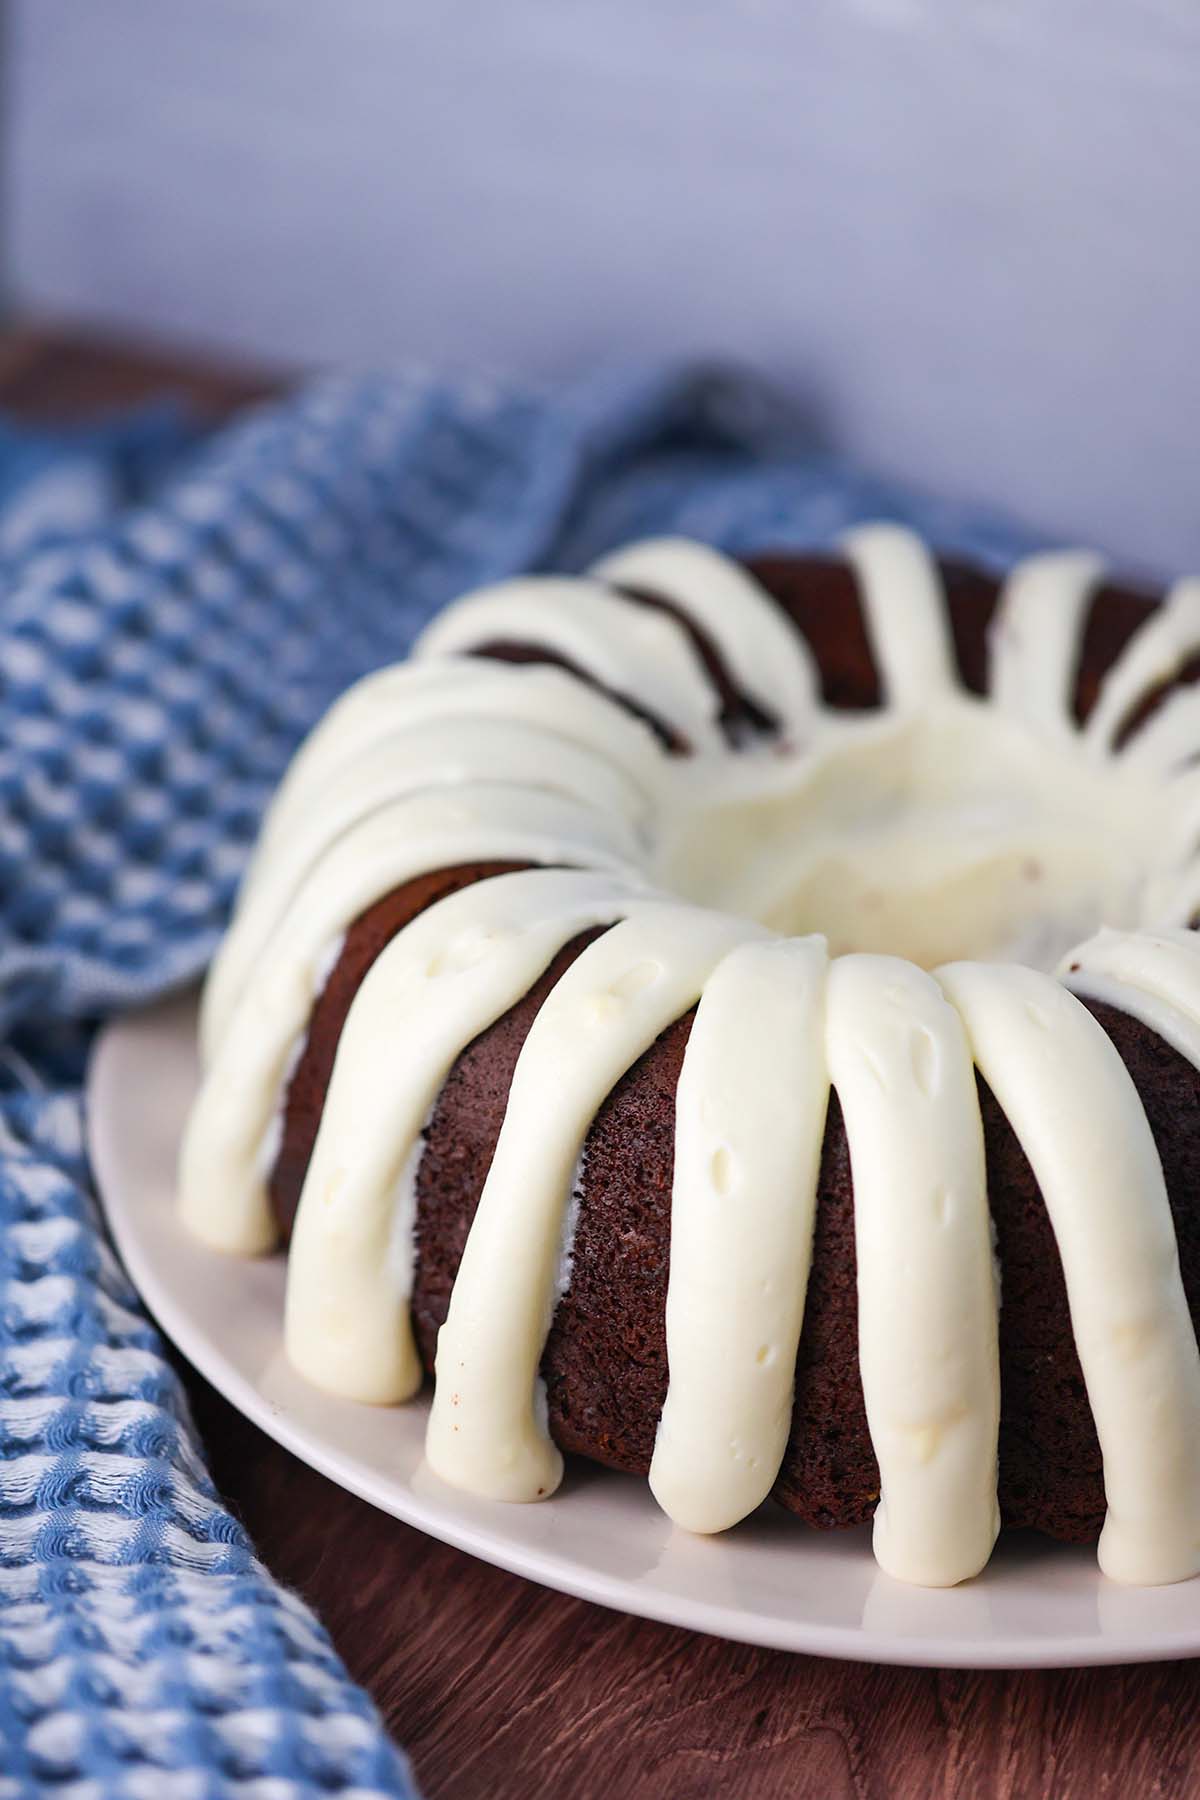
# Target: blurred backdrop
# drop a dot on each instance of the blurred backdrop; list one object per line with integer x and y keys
{"x": 966, "y": 233}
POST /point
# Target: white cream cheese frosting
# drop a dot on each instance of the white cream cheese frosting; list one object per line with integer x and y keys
{"x": 1036, "y": 637}
{"x": 749, "y": 1124}
{"x": 767, "y": 660}
{"x": 1076, "y": 1112}
{"x": 1153, "y": 976}
{"x": 901, "y": 1064}
{"x": 435, "y": 987}
{"x": 906, "y": 621}
{"x": 465, "y": 755}
{"x": 945, "y": 826}
{"x": 255, "y": 1027}
{"x": 486, "y": 1429}
{"x": 1169, "y": 639}
{"x": 633, "y": 651}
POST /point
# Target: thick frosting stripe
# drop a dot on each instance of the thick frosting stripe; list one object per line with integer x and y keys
{"x": 223, "y": 1194}
{"x": 444, "y": 752}
{"x": 487, "y": 1425}
{"x": 749, "y": 1124}
{"x": 642, "y": 655}
{"x": 437, "y": 985}
{"x": 367, "y": 711}
{"x": 453, "y": 753}
{"x": 928, "y": 1354}
{"x": 767, "y": 659}
{"x": 1035, "y": 637}
{"x": 406, "y": 837}
{"x": 1169, "y": 638}
{"x": 904, "y": 606}
{"x": 1075, "y": 1110}
{"x": 398, "y": 699}
{"x": 1153, "y": 976}
{"x": 1169, "y": 742}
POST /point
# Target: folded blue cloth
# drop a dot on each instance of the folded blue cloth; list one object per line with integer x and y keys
{"x": 172, "y": 619}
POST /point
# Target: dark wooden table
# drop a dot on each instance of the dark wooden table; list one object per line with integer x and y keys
{"x": 500, "y": 1688}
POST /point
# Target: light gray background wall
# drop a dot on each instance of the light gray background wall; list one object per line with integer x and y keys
{"x": 969, "y": 230}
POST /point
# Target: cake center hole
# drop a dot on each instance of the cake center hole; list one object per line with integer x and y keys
{"x": 958, "y": 832}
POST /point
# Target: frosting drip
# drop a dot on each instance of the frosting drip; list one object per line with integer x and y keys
{"x": 768, "y": 661}
{"x": 633, "y": 652}
{"x": 928, "y": 1354}
{"x": 1036, "y": 637}
{"x": 251, "y": 1032}
{"x": 1152, "y": 975}
{"x": 942, "y": 826}
{"x": 436, "y": 986}
{"x": 485, "y": 1431}
{"x": 906, "y": 619}
{"x": 1076, "y": 1112}
{"x": 749, "y": 1122}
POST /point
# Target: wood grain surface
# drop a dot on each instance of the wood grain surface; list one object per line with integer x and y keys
{"x": 499, "y": 1688}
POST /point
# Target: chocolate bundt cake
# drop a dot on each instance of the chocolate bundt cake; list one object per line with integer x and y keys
{"x": 742, "y": 1024}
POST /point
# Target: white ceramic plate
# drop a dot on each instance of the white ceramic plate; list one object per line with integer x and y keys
{"x": 601, "y": 1537}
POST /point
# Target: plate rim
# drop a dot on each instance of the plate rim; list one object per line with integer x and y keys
{"x": 119, "y": 1038}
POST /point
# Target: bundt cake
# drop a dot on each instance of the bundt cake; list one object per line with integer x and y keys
{"x": 742, "y": 1025}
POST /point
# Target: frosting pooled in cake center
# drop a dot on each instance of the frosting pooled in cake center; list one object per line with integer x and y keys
{"x": 935, "y": 835}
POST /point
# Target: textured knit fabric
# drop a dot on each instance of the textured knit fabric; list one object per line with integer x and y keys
{"x": 170, "y": 624}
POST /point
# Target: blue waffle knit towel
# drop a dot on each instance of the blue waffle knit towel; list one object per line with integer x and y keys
{"x": 172, "y": 618}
